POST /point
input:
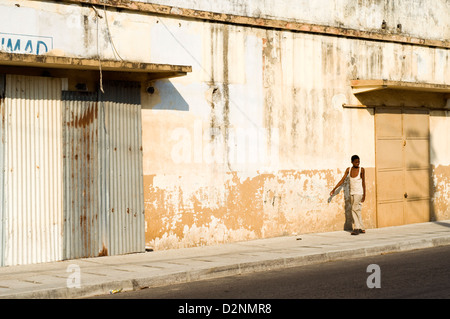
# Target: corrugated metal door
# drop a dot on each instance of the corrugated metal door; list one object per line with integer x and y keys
{"x": 123, "y": 176}
{"x": 32, "y": 170}
{"x": 103, "y": 201}
{"x": 70, "y": 171}
{"x": 81, "y": 175}
{"x": 2, "y": 153}
{"x": 402, "y": 166}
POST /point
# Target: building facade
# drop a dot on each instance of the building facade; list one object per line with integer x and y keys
{"x": 232, "y": 120}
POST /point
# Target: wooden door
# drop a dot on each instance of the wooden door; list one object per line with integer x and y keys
{"x": 417, "y": 166}
{"x": 402, "y": 166}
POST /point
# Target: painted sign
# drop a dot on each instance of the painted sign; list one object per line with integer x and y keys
{"x": 23, "y": 43}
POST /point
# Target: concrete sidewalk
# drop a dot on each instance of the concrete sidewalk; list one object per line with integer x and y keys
{"x": 135, "y": 271}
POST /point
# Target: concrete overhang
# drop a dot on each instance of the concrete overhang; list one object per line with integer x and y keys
{"x": 377, "y": 92}
{"x": 135, "y": 70}
{"x": 364, "y": 86}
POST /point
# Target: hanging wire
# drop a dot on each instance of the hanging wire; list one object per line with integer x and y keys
{"x": 97, "y": 16}
{"x": 109, "y": 34}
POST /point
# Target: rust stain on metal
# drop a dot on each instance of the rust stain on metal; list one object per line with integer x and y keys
{"x": 103, "y": 252}
{"x": 2, "y": 109}
{"x": 87, "y": 118}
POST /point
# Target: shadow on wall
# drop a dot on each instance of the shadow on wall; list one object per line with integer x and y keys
{"x": 345, "y": 187}
{"x": 162, "y": 95}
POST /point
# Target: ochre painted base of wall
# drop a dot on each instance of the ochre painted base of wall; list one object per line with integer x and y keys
{"x": 187, "y": 211}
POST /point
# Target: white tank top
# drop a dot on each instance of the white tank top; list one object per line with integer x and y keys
{"x": 356, "y": 183}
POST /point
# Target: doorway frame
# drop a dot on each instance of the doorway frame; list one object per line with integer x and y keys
{"x": 403, "y": 110}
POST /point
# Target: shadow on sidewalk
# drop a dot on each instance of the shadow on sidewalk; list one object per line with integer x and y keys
{"x": 444, "y": 224}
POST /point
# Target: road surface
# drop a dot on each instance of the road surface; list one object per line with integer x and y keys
{"x": 416, "y": 274}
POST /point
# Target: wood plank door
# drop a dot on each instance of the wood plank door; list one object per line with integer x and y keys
{"x": 402, "y": 166}
{"x": 417, "y": 166}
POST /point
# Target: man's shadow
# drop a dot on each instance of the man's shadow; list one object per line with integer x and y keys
{"x": 345, "y": 187}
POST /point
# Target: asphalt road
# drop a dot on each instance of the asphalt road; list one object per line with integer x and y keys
{"x": 415, "y": 274}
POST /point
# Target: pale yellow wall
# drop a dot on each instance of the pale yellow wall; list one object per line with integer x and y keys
{"x": 251, "y": 142}
{"x": 289, "y": 88}
{"x": 440, "y": 164}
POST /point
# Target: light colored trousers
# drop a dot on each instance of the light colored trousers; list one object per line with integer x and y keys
{"x": 356, "y": 211}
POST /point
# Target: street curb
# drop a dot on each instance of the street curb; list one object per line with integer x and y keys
{"x": 232, "y": 269}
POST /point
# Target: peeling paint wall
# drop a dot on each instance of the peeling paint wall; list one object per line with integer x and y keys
{"x": 288, "y": 87}
{"x": 250, "y": 144}
{"x": 187, "y": 213}
{"x": 423, "y": 18}
{"x": 440, "y": 162}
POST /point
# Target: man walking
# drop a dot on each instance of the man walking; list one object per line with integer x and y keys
{"x": 357, "y": 193}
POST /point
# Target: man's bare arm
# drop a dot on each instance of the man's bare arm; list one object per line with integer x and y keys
{"x": 340, "y": 182}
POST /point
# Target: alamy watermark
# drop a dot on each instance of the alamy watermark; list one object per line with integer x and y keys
{"x": 74, "y": 278}
{"x": 232, "y": 146}
{"x": 374, "y": 280}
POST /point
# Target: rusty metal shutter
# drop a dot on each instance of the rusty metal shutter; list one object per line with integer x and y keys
{"x": 81, "y": 182}
{"x": 103, "y": 192}
{"x": 122, "y": 137}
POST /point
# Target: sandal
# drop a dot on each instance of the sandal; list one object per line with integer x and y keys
{"x": 362, "y": 231}
{"x": 355, "y": 232}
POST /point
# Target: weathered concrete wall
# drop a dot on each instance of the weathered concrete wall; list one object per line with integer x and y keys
{"x": 421, "y": 18}
{"x": 250, "y": 143}
{"x": 440, "y": 164}
{"x": 290, "y": 88}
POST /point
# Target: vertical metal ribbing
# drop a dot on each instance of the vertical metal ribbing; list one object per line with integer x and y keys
{"x": 81, "y": 192}
{"x": 2, "y": 165}
{"x": 70, "y": 171}
{"x": 33, "y": 173}
{"x": 102, "y": 172}
{"x": 121, "y": 103}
